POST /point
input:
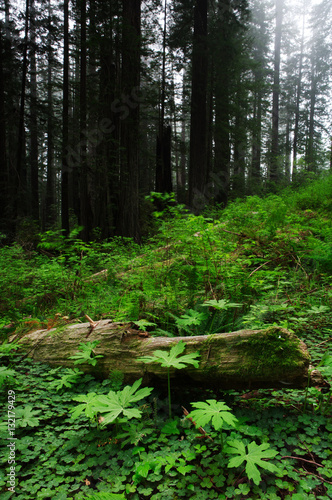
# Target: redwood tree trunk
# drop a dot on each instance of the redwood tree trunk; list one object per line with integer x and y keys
{"x": 198, "y": 128}
{"x": 129, "y": 128}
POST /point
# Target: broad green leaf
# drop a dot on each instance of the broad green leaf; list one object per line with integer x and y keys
{"x": 215, "y": 411}
{"x": 220, "y": 305}
{"x": 27, "y": 416}
{"x": 115, "y": 403}
{"x": 170, "y": 359}
{"x": 254, "y": 457}
{"x": 192, "y": 318}
{"x": 88, "y": 407}
{"x": 6, "y": 372}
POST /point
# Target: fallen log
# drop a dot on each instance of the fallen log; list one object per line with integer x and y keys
{"x": 245, "y": 359}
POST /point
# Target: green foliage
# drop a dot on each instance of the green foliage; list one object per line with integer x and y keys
{"x": 254, "y": 455}
{"x": 6, "y": 375}
{"x": 105, "y": 496}
{"x": 215, "y": 411}
{"x": 113, "y": 404}
{"x": 87, "y": 354}
{"x": 260, "y": 262}
{"x": 172, "y": 360}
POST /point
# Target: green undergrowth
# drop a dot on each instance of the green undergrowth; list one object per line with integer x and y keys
{"x": 262, "y": 445}
{"x": 259, "y": 263}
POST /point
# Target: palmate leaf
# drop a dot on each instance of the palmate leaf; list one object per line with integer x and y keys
{"x": 212, "y": 410}
{"x": 254, "y": 458}
{"x": 192, "y": 318}
{"x": 88, "y": 405}
{"x": 220, "y": 305}
{"x": 170, "y": 359}
{"x": 112, "y": 405}
{"x": 27, "y": 416}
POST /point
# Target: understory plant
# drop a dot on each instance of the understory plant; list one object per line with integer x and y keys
{"x": 172, "y": 359}
{"x": 87, "y": 354}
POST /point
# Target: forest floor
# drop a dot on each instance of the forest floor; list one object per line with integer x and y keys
{"x": 258, "y": 263}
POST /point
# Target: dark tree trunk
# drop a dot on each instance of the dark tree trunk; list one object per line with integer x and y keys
{"x": 4, "y": 187}
{"x": 34, "y": 193}
{"x": 85, "y": 209}
{"x": 222, "y": 105}
{"x": 274, "y": 172}
{"x": 129, "y": 169}
{"x": 310, "y": 156}
{"x": 50, "y": 200}
{"x": 198, "y": 123}
{"x": 21, "y": 179}
{"x": 256, "y": 150}
{"x": 65, "y": 128}
{"x": 298, "y": 98}
{"x": 163, "y": 149}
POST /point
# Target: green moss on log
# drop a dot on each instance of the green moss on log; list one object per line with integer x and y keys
{"x": 271, "y": 352}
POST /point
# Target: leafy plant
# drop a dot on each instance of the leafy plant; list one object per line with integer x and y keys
{"x": 113, "y": 404}
{"x": 215, "y": 412}
{"x": 6, "y": 373}
{"x": 254, "y": 455}
{"x": 103, "y": 495}
{"x": 87, "y": 354}
{"x": 8, "y": 348}
{"x": 172, "y": 360}
{"x": 68, "y": 379}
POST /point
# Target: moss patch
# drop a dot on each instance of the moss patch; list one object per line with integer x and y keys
{"x": 273, "y": 351}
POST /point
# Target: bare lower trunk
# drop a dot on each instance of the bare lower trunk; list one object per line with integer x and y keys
{"x": 245, "y": 359}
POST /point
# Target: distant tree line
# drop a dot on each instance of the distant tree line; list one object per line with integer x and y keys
{"x": 103, "y": 102}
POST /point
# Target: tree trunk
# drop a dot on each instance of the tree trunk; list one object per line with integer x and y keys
{"x": 298, "y": 95}
{"x": 34, "y": 189}
{"x": 65, "y": 117}
{"x": 274, "y": 172}
{"x": 244, "y": 359}
{"x": 21, "y": 192}
{"x": 85, "y": 209}
{"x": 129, "y": 129}
{"x": 3, "y": 146}
{"x": 50, "y": 208}
{"x": 198, "y": 129}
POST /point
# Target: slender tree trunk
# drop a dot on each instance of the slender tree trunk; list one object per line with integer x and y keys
{"x": 21, "y": 191}
{"x": 65, "y": 128}
{"x": 256, "y": 150}
{"x": 240, "y": 142}
{"x": 163, "y": 150}
{"x": 222, "y": 107}
{"x": 288, "y": 150}
{"x": 129, "y": 170}
{"x": 274, "y": 172}
{"x": 85, "y": 209}
{"x": 298, "y": 96}
{"x": 198, "y": 128}
{"x": 4, "y": 187}
{"x": 34, "y": 194}
{"x": 310, "y": 156}
{"x": 50, "y": 213}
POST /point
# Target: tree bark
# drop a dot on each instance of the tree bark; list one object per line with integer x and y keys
{"x": 244, "y": 359}
{"x": 65, "y": 124}
{"x": 198, "y": 130}
{"x": 274, "y": 172}
{"x": 129, "y": 223}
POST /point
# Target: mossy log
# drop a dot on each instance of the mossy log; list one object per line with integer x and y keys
{"x": 245, "y": 359}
